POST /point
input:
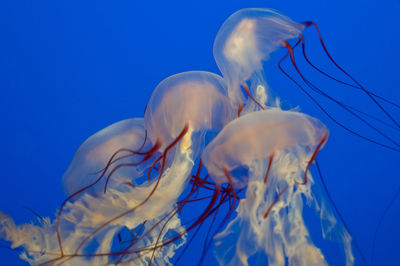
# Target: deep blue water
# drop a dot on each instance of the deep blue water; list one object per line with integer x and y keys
{"x": 70, "y": 68}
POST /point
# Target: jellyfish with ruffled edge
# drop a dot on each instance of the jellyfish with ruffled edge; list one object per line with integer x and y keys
{"x": 112, "y": 185}
{"x": 270, "y": 153}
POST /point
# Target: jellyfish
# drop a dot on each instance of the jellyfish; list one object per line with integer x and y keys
{"x": 276, "y": 148}
{"x": 90, "y": 207}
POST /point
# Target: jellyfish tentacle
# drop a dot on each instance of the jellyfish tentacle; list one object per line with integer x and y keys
{"x": 207, "y": 243}
{"x": 381, "y": 219}
{"x": 384, "y": 99}
{"x": 150, "y": 247}
{"x": 209, "y": 207}
{"x": 36, "y": 214}
{"x": 193, "y": 200}
{"x": 195, "y": 178}
{"x": 311, "y": 23}
{"x": 247, "y": 90}
{"x": 275, "y": 201}
{"x": 201, "y": 219}
{"x": 144, "y": 141}
{"x": 370, "y": 116}
{"x": 271, "y": 157}
{"x": 199, "y": 168}
{"x": 132, "y": 152}
{"x": 198, "y": 223}
{"x": 153, "y": 167}
{"x": 321, "y": 143}
{"x": 324, "y": 73}
{"x": 129, "y": 184}
{"x": 228, "y": 176}
{"x": 223, "y": 222}
{"x": 112, "y": 160}
{"x": 170, "y": 146}
{"x": 118, "y": 253}
{"x": 184, "y": 131}
{"x": 319, "y": 91}
{"x": 350, "y": 85}
{"x": 132, "y": 242}
{"x": 240, "y": 109}
{"x": 58, "y": 217}
{"x": 159, "y": 236}
{"x": 290, "y": 53}
{"x": 356, "y": 245}
{"x": 209, "y": 231}
{"x": 188, "y": 244}
{"x": 147, "y": 157}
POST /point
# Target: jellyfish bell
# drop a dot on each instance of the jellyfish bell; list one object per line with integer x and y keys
{"x": 94, "y": 154}
{"x": 245, "y": 40}
{"x": 196, "y": 98}
{"x": 260, "y": 135}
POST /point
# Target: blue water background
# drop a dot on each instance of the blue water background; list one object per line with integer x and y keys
{"x": 71, "y": 68}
